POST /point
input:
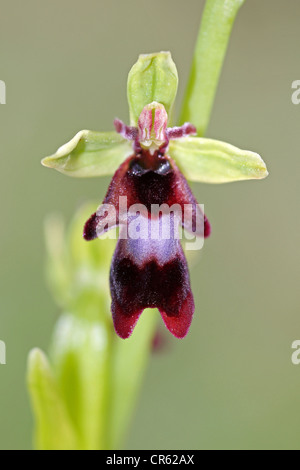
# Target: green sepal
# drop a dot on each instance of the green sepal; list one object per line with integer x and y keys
{"x": 213, "y": 161}
{"x": 90, "y": 153}
{"x": 152, "y": 78}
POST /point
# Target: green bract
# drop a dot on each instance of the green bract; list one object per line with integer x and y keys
{"x": 54, "y": 429}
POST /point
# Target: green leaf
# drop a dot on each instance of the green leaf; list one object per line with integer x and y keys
{"x": 152, "y": 78}
{"x": 90, "y": 153}
{"x": 212, "y": 161}
{"x": 81, "y": 358}
{"x": 129, "y": 360}
{"x": 216, "y": 25}
{"x": 54, "y": 430}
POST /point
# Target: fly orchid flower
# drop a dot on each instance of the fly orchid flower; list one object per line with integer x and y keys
{"x": 149, "y": 270}
{"x": 153, "y": 161}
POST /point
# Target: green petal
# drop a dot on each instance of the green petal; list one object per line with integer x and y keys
{"x": 212, "y": 161}
{"x": 90, "y": 153}
{"x": 152, "y": 78}
{"x": 54, "y": 430}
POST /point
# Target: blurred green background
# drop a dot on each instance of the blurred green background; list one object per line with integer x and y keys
{"x": 230, "y": 384}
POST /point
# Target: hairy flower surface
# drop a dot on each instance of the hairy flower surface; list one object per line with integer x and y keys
{"x": 150, "y": 271}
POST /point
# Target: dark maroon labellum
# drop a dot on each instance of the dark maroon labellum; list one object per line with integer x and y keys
{"x": 149, "y": 272}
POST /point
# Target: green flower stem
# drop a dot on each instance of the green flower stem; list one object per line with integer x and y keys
{"x": 216, "y": 25}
